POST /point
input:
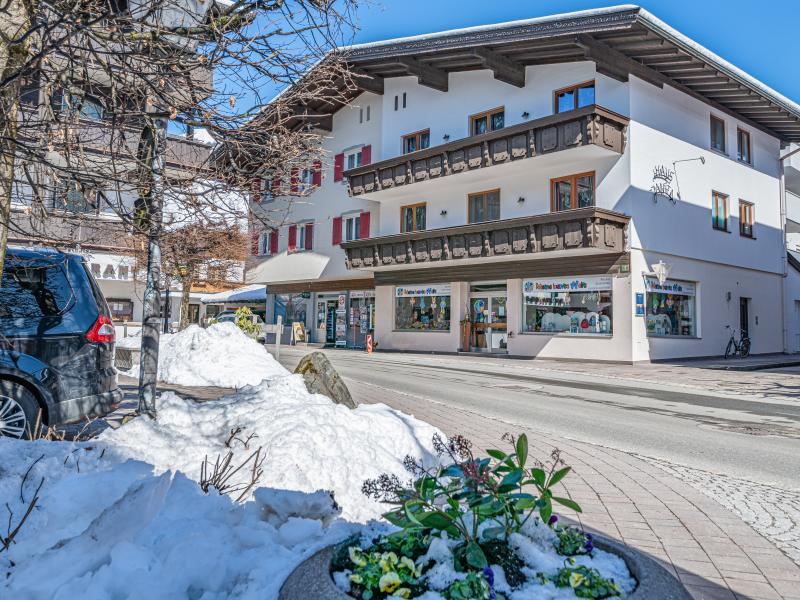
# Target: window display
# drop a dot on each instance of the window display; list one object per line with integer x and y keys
{"x": 671, "y": 308}
{"x": 578, "y": 305}
{"x": 422, "y": 308}
{"x": 291, "y": 307}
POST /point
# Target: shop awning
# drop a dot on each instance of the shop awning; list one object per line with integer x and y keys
{"x": 248, "y": 293}
{"x": 297, "y": 266}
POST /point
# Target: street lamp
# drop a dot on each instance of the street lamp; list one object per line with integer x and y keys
{"x": 660, "y": 271}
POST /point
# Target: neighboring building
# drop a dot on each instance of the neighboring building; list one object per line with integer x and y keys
{"x": 792, "y": 296}
{"x": 525, "y": 184}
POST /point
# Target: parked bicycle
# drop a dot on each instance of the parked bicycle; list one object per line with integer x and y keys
{"x": 740, "y": 348}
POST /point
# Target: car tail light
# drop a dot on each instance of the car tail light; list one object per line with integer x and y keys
{"x": 102, "y": 330}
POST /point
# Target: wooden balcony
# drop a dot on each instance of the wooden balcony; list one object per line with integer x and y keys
{"x": 591, "y": 125}
{"x": 595, "y": 229}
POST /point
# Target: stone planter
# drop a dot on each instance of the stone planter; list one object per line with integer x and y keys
{"x": 312, "y": 580}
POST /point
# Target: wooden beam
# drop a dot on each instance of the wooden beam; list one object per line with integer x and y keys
{"x": 426, "y": 74}
{"x": 608, "y": 59}
{"x": 366, "y": 81}
{"x": 504, "y": 69}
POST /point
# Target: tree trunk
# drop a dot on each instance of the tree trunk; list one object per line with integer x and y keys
{"x": 186, "y": 282}
{"x": 152, "y": 150}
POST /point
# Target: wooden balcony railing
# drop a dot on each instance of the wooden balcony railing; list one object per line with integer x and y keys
{"x": 591, "y": 125}
{"x": 595, "y": 228}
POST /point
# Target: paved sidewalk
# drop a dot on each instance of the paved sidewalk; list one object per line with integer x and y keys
{"x": 714, "y": 553}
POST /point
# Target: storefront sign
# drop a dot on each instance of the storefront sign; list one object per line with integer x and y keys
{"x": 422, "y": 290}
{"x": 639, "y": 304}
{"x": 568, "y": 284}
{"x": 662, "y": 183}
{"x": 342, "y": 299}
{"x": 362, "y": 294}
{"x": 684, "y": 288}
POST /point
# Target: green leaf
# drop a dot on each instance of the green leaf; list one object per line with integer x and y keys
{"x": 499, "y": 455}
{"x": 475, "y": 556}
{"x": 522, "y": 449}
{"x": 538, "y": 476}
{"x": 493, "y": 532}
{"x": 525, "y": 503}
{"x": 512, "y": 478}
{"x": 558, "y": 476}
{"x": 568, "y": 503}
{"x": 545, "y": 512}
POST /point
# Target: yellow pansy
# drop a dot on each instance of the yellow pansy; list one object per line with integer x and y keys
{"x": 576, "y": 579}
{"x": 356, "y": 556}
{"x": 408, "y": 564}
{"x": 402, "y": 593}
{"x": 389, "y": 582}
{"x": 356, "y": 578}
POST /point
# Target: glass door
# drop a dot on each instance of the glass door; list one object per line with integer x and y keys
{"x": 488, "y": 318}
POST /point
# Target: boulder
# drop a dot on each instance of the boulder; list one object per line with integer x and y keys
{"x": 322, "y": 378}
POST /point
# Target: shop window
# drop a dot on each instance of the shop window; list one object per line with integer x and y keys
{"x": 484, "y": 206}
{"x": 573, "y": 97}
{"x": 416, "y": 141}
{"x": 352, "y": 228}
{"x": 743, "y": 151}
{"x": 568, "y": 306}
{"x": 422, "y": 308}
{"x": 412, "y": 217}
{"x": 717, "y": 134}
{"x": 573, "y": 191}
{"x": 719, "y": 211}
{"x": 291, "y": 307}
{"x": 484, "y": 122}
{"x": 121, "y": 309}
{"x": 671, "y": 308}
{"x": 746, "y": 218}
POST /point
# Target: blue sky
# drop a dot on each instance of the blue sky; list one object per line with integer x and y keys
{"x": 759, "y": 37}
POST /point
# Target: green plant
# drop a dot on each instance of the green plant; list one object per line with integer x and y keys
{"x": 475, "y": 586}
{"x": 458, "y": 497}
{"x": 376, "y": 575}
{"x": 245, "y": 322}
{"x": 571, "y": 541}
{"x": 586, "y": 582}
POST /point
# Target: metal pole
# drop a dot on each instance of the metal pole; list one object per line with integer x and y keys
{"x": 155, "y": 136}
{"x": 278, "y": 332}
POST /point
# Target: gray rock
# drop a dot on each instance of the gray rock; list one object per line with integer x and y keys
{"x": 322, "y": 378}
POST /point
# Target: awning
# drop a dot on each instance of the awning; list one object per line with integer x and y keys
{"x": 248, "y": 293}
{"x": 298, "y": 266}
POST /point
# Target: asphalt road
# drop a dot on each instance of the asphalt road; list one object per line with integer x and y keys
{"x": 741, "y": 436}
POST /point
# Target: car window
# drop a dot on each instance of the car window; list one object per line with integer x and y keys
{"x": 33, "y": 291}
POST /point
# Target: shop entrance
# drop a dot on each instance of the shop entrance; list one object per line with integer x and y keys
{"x": 361, "y": 318}
{"x": 488, "y": 316}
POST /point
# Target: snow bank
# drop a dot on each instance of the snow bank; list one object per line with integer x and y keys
{"x": 120, "y": 517}
{"x": 219, "y": 355}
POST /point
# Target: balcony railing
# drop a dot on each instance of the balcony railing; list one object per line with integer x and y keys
{"x": 593, "y": 228}
{"x": 591, "y": 125}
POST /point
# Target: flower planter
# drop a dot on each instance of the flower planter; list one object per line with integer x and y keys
{"x": 312, "y": 579}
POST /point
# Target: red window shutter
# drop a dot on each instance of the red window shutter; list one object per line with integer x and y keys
{"x": 317, "y": 174}
{"x": 363, "y": 229}
{"x": 366, "y": 155}
{"x": 337, "y": 231}
{"x": 276, "y": 184}
{"x": 309, "y": 236}
{"x": 292, "y": 238}
{"x": 273, "y": 241}
{"x": 255, "y": 238}
{"x": 295, "y": 181}
{"x": 255, "y": 190}
{"x": 338, "y": 167}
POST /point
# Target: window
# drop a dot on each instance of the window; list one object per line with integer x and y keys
{"x": 671, "y": 308}
{"x": 75, "y": 197}
{"x": 268, "y": 243}
{"x": 717, "y": 134}
{"x": 743, "y": 146}
{"x": 305, "y": 236}
{"x": 573, "y": 97}
{"x": 569, "y": 305}
{"x": 719, "y": 211}
{"x": 292, "y": 307}
{"x": 416, "y": 141}
{"x": 30, "y": 291}
{"x": 487, "y": 121}
{"x": 484, "y": 206}
{"x": 352, "y": 159}
{"x": 746, "y": 218}
{"x": 352, "y": 228}
{"x": 422, "y": 308}
{"x": 121, "y": 309}
{"x": 86, "y": 107}
{"x": 367, "y": 112}
{"x": 412, "y": 217}
{"x": 404, "y": 99}
{"x": 573, "y": 191}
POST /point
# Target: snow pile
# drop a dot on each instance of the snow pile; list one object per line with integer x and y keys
{"x": 120, "y": 517}
{"x": 220, "y": 355}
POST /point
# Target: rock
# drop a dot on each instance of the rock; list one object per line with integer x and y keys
{"x": 322, "y": 378}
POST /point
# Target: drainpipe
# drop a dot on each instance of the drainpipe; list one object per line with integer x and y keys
{"x": 784, "y": 271}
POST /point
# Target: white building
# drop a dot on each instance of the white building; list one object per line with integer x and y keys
{"x": 524, "y": 184}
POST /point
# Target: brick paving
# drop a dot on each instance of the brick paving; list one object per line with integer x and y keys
{"x": 709, "y": 548}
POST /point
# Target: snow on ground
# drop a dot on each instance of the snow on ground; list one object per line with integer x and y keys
{"x": 122, "y": 517}
{"x": 220, "y": 355}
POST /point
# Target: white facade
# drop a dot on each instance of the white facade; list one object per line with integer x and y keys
{"x": 737, "y": 280}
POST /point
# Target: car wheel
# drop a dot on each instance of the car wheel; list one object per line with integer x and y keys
{"x": 19, "y": 410}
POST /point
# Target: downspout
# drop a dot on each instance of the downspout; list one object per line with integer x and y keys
{"x": 784, "y": 249}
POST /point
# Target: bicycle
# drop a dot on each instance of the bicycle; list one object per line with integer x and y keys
{"x": 740, "y": 348}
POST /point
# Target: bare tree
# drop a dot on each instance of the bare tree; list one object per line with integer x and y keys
{"x": 91, "y": 91}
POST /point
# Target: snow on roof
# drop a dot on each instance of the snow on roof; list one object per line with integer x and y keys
{"x": 248, "y": 293}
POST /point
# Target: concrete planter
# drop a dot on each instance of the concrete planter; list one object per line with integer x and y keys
{"x": 312, "y": 578}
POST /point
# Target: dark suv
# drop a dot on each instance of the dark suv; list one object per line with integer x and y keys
{"x": 56, "y": 342}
